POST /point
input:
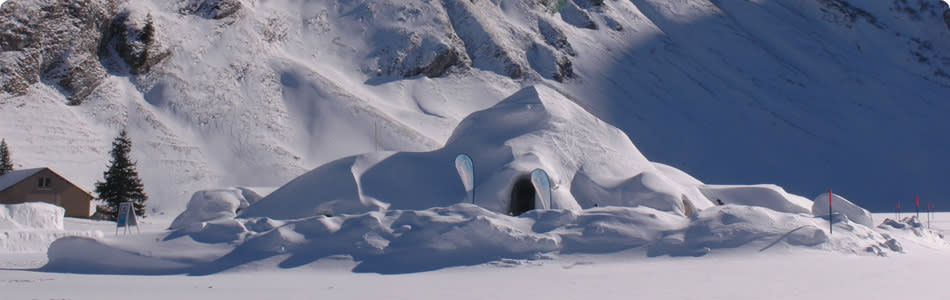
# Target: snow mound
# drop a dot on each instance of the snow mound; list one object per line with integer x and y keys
{"x": 588, "y": 161}
{"x": 31, "y": 216}
{"x": 765, "y": 195}
{"x": 88, "y": 255}
{"x": 405, "y": 241}
{"x": 395, "y": 241}
{"x": 841, "y": 205}
{"x": 912, "y": 228}
{"x": 216, "y": 204}
{"x": 733, "y": 226}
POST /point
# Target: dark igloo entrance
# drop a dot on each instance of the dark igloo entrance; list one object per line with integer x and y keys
{"x": 522, "y": 196}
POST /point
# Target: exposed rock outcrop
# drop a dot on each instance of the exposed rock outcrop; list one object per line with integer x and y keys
{"x": 211, "y": 9}
{"x": 555, "y": 37}
{"x": 135, "y": 40}
{"x": 54, "y": 41}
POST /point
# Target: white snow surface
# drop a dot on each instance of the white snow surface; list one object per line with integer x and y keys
{"x": 284, "y": 86}
{"x": 409, "y": 241}
{"x": 777, "y": 275}
{"x": 34, "y": 215}
{"x": 210, "y": 205}
{"x": 32, "y": 227}
{"x": 766, "y": 195}
{"x": 778, "y": 272}
{"x": 843, "y": 206}
{"x": 588, "y": 161}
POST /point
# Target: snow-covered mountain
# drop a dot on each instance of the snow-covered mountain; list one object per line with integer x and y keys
{"x": 810, "y": 95}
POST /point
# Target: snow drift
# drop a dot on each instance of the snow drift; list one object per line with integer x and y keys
{"x": 405, "y": 241}
{"x": 768, "y": 196}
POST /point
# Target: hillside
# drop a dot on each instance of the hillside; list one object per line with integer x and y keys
{"x": 846, "y": 94}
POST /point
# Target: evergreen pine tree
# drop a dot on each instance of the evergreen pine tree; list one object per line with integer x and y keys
{"x": 6, "y": 164}
{"x": 122, "y": 183}
{"x": 148, "y": 31}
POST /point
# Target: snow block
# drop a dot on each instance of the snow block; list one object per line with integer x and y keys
{"x": 841, "y": 205}
{"x": 765, "y": 195}
{"x": 32, "y": 215}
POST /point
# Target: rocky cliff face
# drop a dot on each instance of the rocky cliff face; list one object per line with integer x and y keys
{"x": 133, "y": 39}
{"x": 53, "y": 41}
{"x": 65, "y": 43}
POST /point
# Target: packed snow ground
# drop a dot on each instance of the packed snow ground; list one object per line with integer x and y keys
{"x": 740, "y": 274}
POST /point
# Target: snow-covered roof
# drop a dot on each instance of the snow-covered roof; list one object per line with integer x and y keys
{"x": 15, "y": 176}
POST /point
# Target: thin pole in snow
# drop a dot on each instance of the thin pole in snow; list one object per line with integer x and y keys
{"x": 917, "y": 207}
{"x": 928, "y": 215}
{"x": 830, "y": 223}
{"x": 898, "y": 208}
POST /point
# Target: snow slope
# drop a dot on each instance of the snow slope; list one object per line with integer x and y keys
{"x": 406, "y": 212}
{"x": 807, "y": 95}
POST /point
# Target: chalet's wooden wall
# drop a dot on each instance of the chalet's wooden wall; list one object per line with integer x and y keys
{"x": 60, "y": 192}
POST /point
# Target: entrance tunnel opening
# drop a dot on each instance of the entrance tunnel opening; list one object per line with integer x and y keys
{"x": 522, "y": 196}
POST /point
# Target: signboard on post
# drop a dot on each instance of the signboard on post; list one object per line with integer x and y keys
{"x": 126, "y": 218}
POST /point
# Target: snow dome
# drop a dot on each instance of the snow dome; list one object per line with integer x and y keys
{"x": 589, "y": 163}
